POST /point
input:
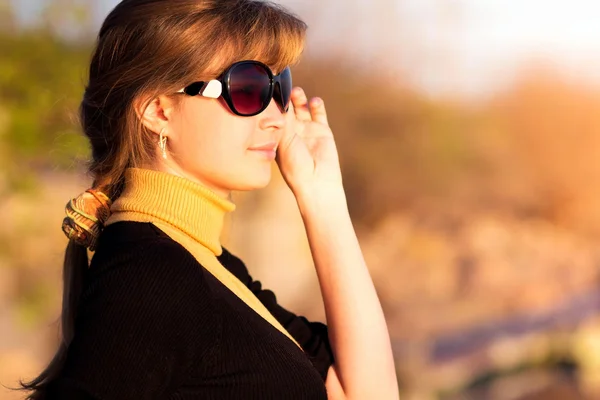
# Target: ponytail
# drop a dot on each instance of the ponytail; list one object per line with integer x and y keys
{"x": 85, "y": 219}
{"x": 74, "y": 268}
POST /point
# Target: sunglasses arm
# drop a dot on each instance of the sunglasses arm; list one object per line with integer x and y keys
{"x": 212, "y": 89}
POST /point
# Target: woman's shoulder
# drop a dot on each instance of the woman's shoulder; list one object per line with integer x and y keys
{"x": 134, "y": 261}
{"x": 133, "y": 249}
{"x": 128, "y": 237}
{"x": 128, "y": 233}
{"x": 145, "y": 316}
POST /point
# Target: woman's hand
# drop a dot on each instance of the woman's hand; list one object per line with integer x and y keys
{"x": 307, "y": 156}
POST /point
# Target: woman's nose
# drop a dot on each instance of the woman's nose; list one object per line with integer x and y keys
{"x": 272, "y": 117}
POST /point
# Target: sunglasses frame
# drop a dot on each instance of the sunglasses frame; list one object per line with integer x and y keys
{"x": 220, "y": 87}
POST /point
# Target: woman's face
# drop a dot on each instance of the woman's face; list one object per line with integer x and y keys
{"x": 209, "y": 144}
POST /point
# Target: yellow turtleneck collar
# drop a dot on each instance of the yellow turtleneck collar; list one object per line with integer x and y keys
{"x": 191, "y": 215}
{"x": 187, "y": 205}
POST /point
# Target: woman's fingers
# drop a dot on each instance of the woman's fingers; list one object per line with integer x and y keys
{"x": 317, "y": 110}
{"x": 305, "y": 110}
{"x": 300, "y": 103}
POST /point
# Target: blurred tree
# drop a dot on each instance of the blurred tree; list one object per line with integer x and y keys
{"x": 41, "y": 82}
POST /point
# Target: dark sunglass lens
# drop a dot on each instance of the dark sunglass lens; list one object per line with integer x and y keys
{"x": 285, "y": 88}
{"x": 249, "y": 88}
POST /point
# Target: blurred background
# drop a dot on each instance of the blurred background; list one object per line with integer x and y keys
{"x": 469, "y": 134}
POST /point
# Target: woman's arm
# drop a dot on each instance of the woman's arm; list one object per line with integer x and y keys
{"x": 309, "y": 163}
{"x": 364, "y": 365}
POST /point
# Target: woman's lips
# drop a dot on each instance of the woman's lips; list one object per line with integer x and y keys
{"x": 267, "y": 150}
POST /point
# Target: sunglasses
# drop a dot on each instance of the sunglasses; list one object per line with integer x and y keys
{"x": 247, "y": 87}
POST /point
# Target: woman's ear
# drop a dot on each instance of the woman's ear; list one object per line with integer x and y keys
{"x": 155, "y": 114}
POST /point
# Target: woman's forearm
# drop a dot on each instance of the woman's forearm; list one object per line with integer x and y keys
{"x": 357, "y": 329}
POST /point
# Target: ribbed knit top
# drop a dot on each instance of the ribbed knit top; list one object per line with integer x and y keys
{"x": 154, "y": 323}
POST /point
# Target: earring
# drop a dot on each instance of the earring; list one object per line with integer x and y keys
{"x": 162, "y": 143}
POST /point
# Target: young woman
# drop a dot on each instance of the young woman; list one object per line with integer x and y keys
{"x": 187, "y": 101}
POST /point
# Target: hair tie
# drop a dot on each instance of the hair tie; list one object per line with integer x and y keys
{"x": 86, "y": 215}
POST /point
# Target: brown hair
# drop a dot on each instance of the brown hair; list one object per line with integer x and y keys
{"x": 146, "y": 48}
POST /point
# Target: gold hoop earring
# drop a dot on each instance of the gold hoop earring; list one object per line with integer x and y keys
{"x": 162, "y": 143}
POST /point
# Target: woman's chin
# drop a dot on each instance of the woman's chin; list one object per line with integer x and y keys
{"x": 257, "y": 181}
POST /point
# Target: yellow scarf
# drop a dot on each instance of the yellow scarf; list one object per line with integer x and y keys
{"x": 190, "y": 214}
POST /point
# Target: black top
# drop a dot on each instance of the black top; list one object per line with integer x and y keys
{"x": 154, "y": 324}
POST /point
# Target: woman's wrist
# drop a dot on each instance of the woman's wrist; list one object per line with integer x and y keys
{"x": 321, "y": 199}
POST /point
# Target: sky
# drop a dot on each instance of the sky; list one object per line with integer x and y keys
{"x": 470, "y": 47}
